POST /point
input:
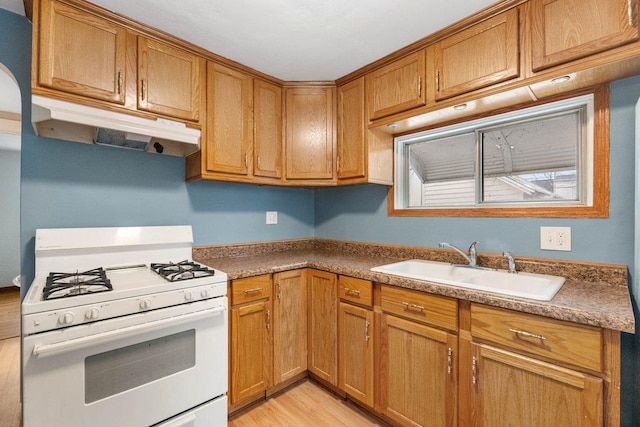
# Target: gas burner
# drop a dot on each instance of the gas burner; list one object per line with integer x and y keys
{"x": 183, "y": 270}
{"x": 63, "y": 285}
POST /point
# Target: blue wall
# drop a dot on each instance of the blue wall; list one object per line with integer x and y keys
{"x": 360, "y": 213}
{"x": 66, "y": 184}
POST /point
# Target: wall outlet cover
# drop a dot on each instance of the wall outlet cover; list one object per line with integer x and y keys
{"x": 555, "y": 238}
{"x": 272, "y": 217}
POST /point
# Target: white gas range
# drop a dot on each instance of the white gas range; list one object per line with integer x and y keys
{"x": 121, "y": 327}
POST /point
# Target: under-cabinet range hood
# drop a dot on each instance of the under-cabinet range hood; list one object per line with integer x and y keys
{"x": 53, "y": 118}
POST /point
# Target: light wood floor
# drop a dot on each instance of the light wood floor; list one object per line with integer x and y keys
{"x": 10, "y": 357}
{"x": 304, "y": 405}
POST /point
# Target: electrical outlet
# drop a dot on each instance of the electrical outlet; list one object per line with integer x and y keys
{"x": 555, "y": 238}
{"x": 272, "y": 217}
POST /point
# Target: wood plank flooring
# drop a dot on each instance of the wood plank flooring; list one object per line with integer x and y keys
{"x": 305, "y": 404}
{"x": 10, "y": 357}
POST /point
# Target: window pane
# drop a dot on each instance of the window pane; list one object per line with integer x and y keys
{"x": 536, "y": 160}
{"x": 441, "y": 171}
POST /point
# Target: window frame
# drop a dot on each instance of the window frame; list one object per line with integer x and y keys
{"x": 598, "y": 202}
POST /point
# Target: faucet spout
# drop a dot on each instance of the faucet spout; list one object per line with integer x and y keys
{"x": 470, "y": 258}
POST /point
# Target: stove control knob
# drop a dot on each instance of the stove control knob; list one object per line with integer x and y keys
{"x": 92, "y": 313}
{"x": 145, "y": 304}
{"x": 204, "y": 293}
{"x": 188, "y": 295}
{"x": 66, "y": 319}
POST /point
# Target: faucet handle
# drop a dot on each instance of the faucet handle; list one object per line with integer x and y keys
{"x": 511, "y": 260}
{"x": 472, "y": 248}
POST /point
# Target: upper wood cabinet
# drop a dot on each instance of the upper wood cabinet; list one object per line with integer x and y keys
{"x": 310, "y": 133}
{"x": 565, "y": 30}
{"x": 397, "y": 87}
{"x": 482, "y": 55}
{"x": 169, "y": 80}
{"x": 229, "y": 124}
{"x": 81, "y": 53}
{"x": 352, "y": 139}
{"x": 267, "y": 132}
{"x": 364, "y": 155}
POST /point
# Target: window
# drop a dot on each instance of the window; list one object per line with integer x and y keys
{"x": 537, "y": 161}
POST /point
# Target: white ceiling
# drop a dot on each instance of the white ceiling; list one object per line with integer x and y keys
{"x": 295, "y": 39}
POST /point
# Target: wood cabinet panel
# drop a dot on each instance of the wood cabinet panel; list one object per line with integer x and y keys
{"x": 565, "y": 30}
{"x": 289, "y": 325}
{"x": 250, "y": 289}
{"x": 250, "y": 350}
{"x": 81, "y": 53}
{"x": 531, "y": 393}
{"x": 229, "y": 125}
{"x": 579, "y": 345}
{"x": 323, "y": 325}
{"x": 485, "y": 54}
{"x": 310, "y": 140}
{"x": 352, "y": 136}
{"x": 422, "y": 307}
{"x": 418, "y": 373}
{"x": 397, "y": 87}
{"x": 355, "y": 352}
{"x": 356, "y": 291}
{"x": 267, "y": 140}
{"x": 169, "y": 80}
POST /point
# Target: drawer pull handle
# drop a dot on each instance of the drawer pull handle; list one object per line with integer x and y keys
{"x": 474, "y": 370}
{"x": 527, "y": 334}
{"x": 252, "y": 290}
{"x": 449, "y": 360}
{"x": 354, "y": 292}
{"x": 414, "y": 307}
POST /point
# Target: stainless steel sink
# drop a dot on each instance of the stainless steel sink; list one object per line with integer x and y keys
{"x": 541, "y": 287}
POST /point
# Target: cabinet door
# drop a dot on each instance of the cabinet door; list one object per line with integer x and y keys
{"x": 169, "y": 80}
{"x": 397, "y": 87}
{"x": 323, "y": 325}
{"x": 418, "y": 373}
{"x": 482, "y": 55}
{"x": 351, "y": 130}
{"x": 355, "y": 352}
{"x": 267, "y": 140}
{"x": 81, "y": 53}
{"x": 309, "y": 146}
{"x": 229, "y": 131}
{"x": 250, "y": 350}
{"x": 289, "y": 325}
{"x": 530, "y": 393}
{"x": 564, "y": 30}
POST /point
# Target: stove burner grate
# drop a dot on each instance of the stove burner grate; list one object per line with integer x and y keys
{"x": 183, "y": 270}
{"x": 64, "y": 285}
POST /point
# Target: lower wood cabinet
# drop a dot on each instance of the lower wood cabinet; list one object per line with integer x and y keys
{"x": 289, "y": 325}
{"x": 356, "y": 339}
{"x": 418, "y": 373}
{"x": 418, "y": 359}
{"x": 529, "y": 392}
{"x": 250, "y": 358}
{"x": 323, "y": 326}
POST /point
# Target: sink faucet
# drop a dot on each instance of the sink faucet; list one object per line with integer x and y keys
{"x": 511, "y": 260}
{"x": 471, "y": 258}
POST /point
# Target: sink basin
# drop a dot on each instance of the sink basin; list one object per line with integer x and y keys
{"x": 540, "y": 287}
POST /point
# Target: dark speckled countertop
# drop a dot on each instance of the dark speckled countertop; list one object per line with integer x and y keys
{"x": 593, "y": 294}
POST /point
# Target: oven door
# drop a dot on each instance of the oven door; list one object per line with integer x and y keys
{"x": 135, "y": 370}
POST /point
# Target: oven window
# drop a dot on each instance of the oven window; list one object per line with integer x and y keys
{"x": 122, "y": 369}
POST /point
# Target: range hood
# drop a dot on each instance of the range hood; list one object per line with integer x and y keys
{"x": 53, "y": 118}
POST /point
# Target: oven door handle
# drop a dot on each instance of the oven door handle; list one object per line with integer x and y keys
{"x": 42, "y": 350}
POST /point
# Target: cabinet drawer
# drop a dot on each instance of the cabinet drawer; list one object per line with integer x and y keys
{"x": 568, "y": 342}
{"x": 357, "y": 291}
{"x": 250, "y": 289}
{"x": 431, "y": 309}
